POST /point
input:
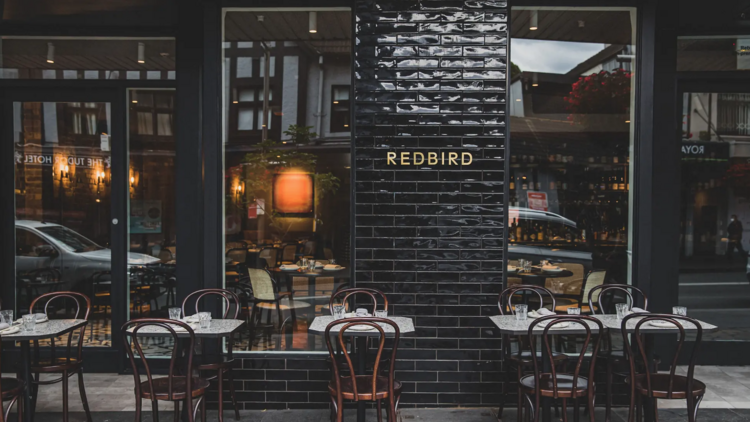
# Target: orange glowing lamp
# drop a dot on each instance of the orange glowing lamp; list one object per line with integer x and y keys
{"x": 293, "y": 194}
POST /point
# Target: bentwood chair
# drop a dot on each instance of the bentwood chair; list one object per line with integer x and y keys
{"x": 11, "y": 390}
{"x": 68, "y": 361}
{"x": 220, "y": 363}
{"x": 601, "y": 300}
{"x": 557, "y": 384}
{"x": 645, "y": 383}
{"x": 173, "y": 387}
{"x": 522, "y": 358}
{"x": 349, "y": 297}
{"x": 371, "y": 385}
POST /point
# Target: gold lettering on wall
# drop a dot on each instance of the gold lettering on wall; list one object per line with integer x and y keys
{"x": 417, "y": 158}
{"x": 391, "y": 158}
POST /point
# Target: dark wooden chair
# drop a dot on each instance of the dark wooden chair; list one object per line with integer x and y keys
{"x": 173, "y": 387}
{"x": 219, "y": 363}
{"x": 522, "y": 358}
{"x": 646, "y": 383}
{"x": 69, "y": 361}
{"x": 601, "y": 300}
{"x": 348, "y": 296}
{"x": 372, "y": 386}
{"x": 11, "y": 390}
{"x": 557, "y": 384}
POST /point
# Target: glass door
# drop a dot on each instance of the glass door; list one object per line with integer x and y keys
{"x": 68, "y": 183}
{"x": 714, "y": 272}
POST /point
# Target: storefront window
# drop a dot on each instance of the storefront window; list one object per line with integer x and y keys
{"x": 287, "y": 154}
{"x": 715, "y": 211}
{"x": 713, "y": 53}
{"x": 571, "y": 120}
{"x": 81, "y": 58}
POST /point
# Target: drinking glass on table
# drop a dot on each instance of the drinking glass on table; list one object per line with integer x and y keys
{"x": 381, "y": 313}
{"x": 311, "y": 265}
{"x": 29, "y": 322}
{"x": 204, "y": 318}
{"x": 175, "y": 313}
{"x": 679, "y": 310}
{"x": 7, "y": 316}
{"x": 622, "y": 310}
{"x": 338, "y": 310}
{"x": 332, "y": 261}
{"x": 574, "y": 311}
{"x": 522, "y": 312}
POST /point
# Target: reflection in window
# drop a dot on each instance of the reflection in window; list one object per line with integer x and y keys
{"x": 287, "y": 171}
{"x": 713, "y": 53}
{"x": 571, "y": 107}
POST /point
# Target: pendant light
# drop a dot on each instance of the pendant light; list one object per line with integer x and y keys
{"x": 313, "y": 22}
{"x": 50, "y": 52}
{"x": 141, "y": 53}
{"x": 534, "y": 24}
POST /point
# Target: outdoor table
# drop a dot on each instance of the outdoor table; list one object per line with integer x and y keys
{"x": 319, "y": 324}
{"x": 219, "y": 328}
{"x": 45, "y": 330}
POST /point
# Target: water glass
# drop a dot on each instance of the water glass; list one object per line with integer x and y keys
{"x": 332, "y": 261}
{"x": 679, "y": 310}
{"x": 339, "y": 311}
{"x": 574, "y": 311}
{"x": 303, "y": 261}
{"x": 383, "y": 313}
{"x": 522, "y": 312}
{"x": 175, "y": 313}
{"x": 7, "y": 317}
{"x": 204, "y": 318}
{"x": 29, "y": 322}
{"x": 362, "y": 312}
{"x": 622, "y": 310}
{"x": 311, "y": 265}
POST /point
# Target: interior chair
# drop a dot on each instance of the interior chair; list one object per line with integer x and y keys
{"x": 217, "y": 362}
{"x": 647, "y": 383}
{"x": 289, "y": 253}
{"x": 67, "y": 360}
{"x": 376, "y": 385}
{"x": 558, "y": 384}
{"x": 572, "y": 284}
{"x": 11, "y": 390}
{"x": 521, "y": 359}
{"x": 173, "y": 387}
{"x": 601, "y": 300}
{"x": 271, "y": 257}
{"x": 593, "y": 279}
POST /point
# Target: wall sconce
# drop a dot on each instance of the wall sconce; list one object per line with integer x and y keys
{"x": 50, "y": 52}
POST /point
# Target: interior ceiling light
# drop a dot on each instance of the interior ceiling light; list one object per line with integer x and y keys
{"x": 534, "y": 24}
{"x": 134, "y": 97}
{"x": 261, "y": 18}
{"x": 50, "y": 52}
{"x": 141, "y": 53}
{"x": 313, "y": 22}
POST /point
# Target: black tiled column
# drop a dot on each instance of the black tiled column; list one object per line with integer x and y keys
{"x": 431, "y": 78}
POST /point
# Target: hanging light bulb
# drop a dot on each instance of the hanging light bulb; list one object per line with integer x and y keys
{"x": 50, "y": 52}
{"x": 534, "y": 24}
{"x": 313, "y": 22}
{"x": 234, "y": 96}
{"x": 134, "y": 97}
{"x": 141, "y": 53}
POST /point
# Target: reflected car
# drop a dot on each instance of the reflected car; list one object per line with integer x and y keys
{"x": 44, "y": 246}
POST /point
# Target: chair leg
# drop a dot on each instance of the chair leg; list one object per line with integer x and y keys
{"x": 380, "y": 412}
{"x": 391, "y": 410}
{"x": 155, "y": 410}
{"x": 203, "y": 408}
{"x": 84, "y": 400}
{"x": 565, "y": 410}
{"x": 231, "y": 393}
{"x": 339, "y": 410}
{"x": 34, "y": 390}
{"x": 608, "y": 393}
{"x": 503, "y": 390}
{"x": 138, "y": 406}
{"x": 176, "y": 413}
{"x": 65, "y": 396}
{"x": 576, "y": 411}
{"x": 693, "y": 412}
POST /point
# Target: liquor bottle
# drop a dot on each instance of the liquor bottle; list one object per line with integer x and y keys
{"x": 513, "y": 184}
{"x": 622, "y": 183}
{"x": 540, "y": 233}
{"x": 524, "y": 183}
{"x": 519, "y": 233}
{"x": 552, "y": 185}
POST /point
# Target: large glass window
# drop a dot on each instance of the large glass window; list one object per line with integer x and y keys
{"x": 287, "y": 155}
{"x": 713, "y": 53}
{"x": 571, "y": 120}
{"x": 715, "y": 211}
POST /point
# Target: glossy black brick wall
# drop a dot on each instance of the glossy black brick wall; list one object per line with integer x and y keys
{"x": 431, "y": 77}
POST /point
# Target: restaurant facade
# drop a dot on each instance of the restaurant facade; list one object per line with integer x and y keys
{"x": 419, "y": 147}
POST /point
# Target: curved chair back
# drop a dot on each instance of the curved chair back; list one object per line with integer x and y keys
{"x": 604, "y": 291}
{"x": 504, "y": 304}
{"x": 546, "y": 339}
{"x": 82, "y": 310}
{"x": 593, "y": 279}
{"x": 289, "y": 253}
{"x": 229, "y": 299}
{"x": 637, "y": 349}
{"x": 344, "y": 295}
{"x": 237, "y": 254}
{"x": 271, "y": 256}
{"x": 235, "y": 245}
{"x": 262, "y": 284}
{"x": 377, "y": 324}
{"x": 132, "y": 343}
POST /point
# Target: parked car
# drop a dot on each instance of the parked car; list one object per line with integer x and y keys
{"x": 73, "y": 258}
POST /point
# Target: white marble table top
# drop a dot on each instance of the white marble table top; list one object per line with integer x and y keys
{"x": 43, "y": 330}
{"x": 611, "y": 322}
{"x": 509, "y": 325}
{"x": 319, "y": 324}
{"x": 219, "y": 328}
